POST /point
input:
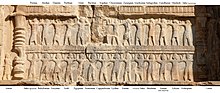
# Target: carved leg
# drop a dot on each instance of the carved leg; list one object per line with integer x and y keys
{"x": 165, "y": 41}
{"x": 67, "y": 79}
{"x": 42, "y": 76}
{"x": 86, "y": 72}
{"x": 161, "y": 41}
{"x": 151, "y": 43}
{"x": 108, "y": 40}
{"x": 151, "y": 71}
{"x": 102, "y": 76}
{"x": 189, "y": 70}
{"x": 162, "y": 72}
{"x": 190, "y": 41}
{"x": 44, "y": 42}
{"x": 173, "y": 41}
{"x": 175, "y": 74}
{"x": 94, "y": 78}
{"x": 67, "y": 41}
{"x": 55, "y": 77}
{"x": 106, "y": 76}
{"x": 177, "y": 41}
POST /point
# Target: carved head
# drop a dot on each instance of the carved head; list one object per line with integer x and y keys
{"x": 152, "y": 20}
{"x": 59, "y": 56}
{"x": 82, "y": 56}
{"x": 75, "y": 64}
{"x": 140, "y": 56}
{"x": 163, "y": 20}
{"x": 189, "y": 56}
{"x": 152, "y": 57}
{"x": 35, "y": 20}
{"x": 46, "y": 55}
{"x": 105, "y": 56}
{"x": 163, "y": 57}
{"x": 47, "y": 20}
{"x": 71, "y": 20}
{"x": 128, "y": 20}
{"x": 176, "y": 57}
{"x": 175, "y": 21}
{"x": 128, "y": 56}
{"x": 58, "y": 21}
{"x": 188, "y": 22}
{"x": 140, "y": 20}
{"x": 93, "y": 56}
{"x": 116, "y": 56}
{"x": 34, "y": 56}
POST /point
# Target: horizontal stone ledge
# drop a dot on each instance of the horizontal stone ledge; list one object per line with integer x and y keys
{"x": 51, "y": 14}
{"x": 110, "y": 48}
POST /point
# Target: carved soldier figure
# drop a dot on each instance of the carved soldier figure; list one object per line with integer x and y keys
{"x": 188, "y": 37}
{"x": 69, "y": 74}
{"x": 57, "y": 75}
{"x": 140, "y": 69}
{"x": 163, "y": 39}
{"x": 84, "y": 31}
{"x": 71, "y": 33}
{"x": 75, "y": 70}
{"x": 139, "y": 32}
{"x": 175, "y": 38}
{"x": 116, "y": 69}
{"x": 151, "y": 37}
{"x": 81, "y": 60}
{"x": 103, "y": 73}
{"x": 151, "y": 67}
{"x": 175, "y": 71}
{"x": 59, "y": 32}
{"x": 162, "y": 72}
{"x": 114, "y": 34}
{"x": 128, "y": 60}
{"x": 188, "y": 76}
{"x": 34, "y": 31}
{"x": 7, "y": 68}
{"x": 85, "y": 68}
{"x": 92, "y": 68}
{"x": 47, "y": 38}
{"x": 33, "y": 60}
{"x": 127, "y": 35}
{"x": 45, "y": 68}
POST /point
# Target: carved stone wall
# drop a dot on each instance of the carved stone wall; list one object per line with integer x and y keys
{"x": 105, "y": 44}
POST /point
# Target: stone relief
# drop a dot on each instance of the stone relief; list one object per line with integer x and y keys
{"x": 49, "y": 32}
{"x": 149, "y": 32}
{"x": 110, "y": 67}
{"x": 63, "y": 49}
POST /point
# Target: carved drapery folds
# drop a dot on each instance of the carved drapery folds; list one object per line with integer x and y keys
{"x": 60, "y": 48}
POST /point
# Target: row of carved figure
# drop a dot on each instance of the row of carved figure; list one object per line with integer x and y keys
{"x": 152, "y": 32}
{"x": 75, "y": 31}
{"x": 101, "y": 68}
{"x": 140, "y": 32}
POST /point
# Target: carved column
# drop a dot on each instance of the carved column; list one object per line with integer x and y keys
{"x": 19, "y": 43}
